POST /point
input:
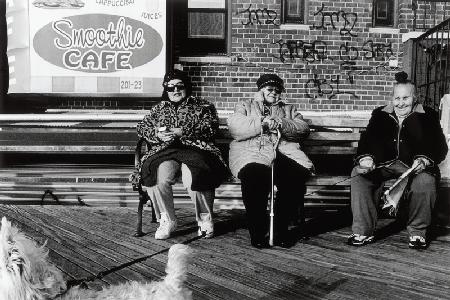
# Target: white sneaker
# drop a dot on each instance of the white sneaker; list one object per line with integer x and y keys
{"x": 166, "y": 227}
{"x": 205, "y": 226}
{"x": 359, "y": 240}
{"x": 417, "y": 242}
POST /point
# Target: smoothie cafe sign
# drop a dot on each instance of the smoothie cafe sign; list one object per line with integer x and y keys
{"x": 86, "y": 46}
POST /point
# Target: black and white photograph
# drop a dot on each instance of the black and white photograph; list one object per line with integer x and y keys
{"x": 224, "y": 149}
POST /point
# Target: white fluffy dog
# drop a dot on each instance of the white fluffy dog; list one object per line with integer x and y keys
{"x": 27, "y": 274}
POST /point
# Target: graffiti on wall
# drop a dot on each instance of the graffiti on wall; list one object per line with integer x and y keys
{"x": 308, "y": 52}
{"x": 348, "y": 55}
{"x": 335, "y": 19}
{"x": 269, "y": 16}
{"x": 316, "y": 51}
{"x": 321, "y": 87}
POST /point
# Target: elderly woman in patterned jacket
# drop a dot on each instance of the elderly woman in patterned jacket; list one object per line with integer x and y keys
{"x": 401, "y": 135}
{"x": 252, "y": 152}
{"x": 181, "y": 131}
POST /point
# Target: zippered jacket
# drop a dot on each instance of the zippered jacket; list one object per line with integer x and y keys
{"x": 419, "y": 135}
{"x": 250, "y": 145}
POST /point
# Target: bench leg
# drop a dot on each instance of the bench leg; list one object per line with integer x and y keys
{"x": 147, "y": 200}
{"x": 153, "y": 213}
{"x": 49, "y": 192}
{"x": 139, "y": 232}
{"x": 143, "y": 199}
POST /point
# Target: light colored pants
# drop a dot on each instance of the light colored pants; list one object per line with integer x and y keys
{"x": 366, "y": 192}
{"x": 161, "y": 194}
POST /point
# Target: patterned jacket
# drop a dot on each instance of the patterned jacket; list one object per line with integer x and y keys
{"x": 197, "y": 118}
{"x": 250, "y": 146}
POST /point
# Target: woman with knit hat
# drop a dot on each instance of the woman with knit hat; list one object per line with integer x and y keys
{"x": 181, "y": 130}
{"x": 253, "y": 126}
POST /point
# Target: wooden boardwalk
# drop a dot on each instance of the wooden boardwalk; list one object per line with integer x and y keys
{"x": 85, "y": 240}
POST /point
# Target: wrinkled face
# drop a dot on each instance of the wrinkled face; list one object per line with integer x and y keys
{"x": 176, "y": 90}
{"x": 403, "y": 99}
{"x": 271, "y": 93}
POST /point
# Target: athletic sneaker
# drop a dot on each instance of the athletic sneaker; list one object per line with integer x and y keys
{"x": 206, "y": 229}
{"x": 417, "y": 242}
{"x": 166, "y": 227}
{"x": 205, "y": 226}
{"x": 359, "y": 240}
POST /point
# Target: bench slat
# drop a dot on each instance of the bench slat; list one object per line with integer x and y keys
{"x": 69, "y": 149}
{"x": 334, "y": 136}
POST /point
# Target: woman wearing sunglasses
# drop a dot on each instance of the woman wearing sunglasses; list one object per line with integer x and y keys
{"x": 180, "y": 130}
{"x": 253, "y": 127}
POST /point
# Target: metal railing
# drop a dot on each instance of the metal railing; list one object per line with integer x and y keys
{"x": 431, "y": 64}
{"x": 429, "y": 13}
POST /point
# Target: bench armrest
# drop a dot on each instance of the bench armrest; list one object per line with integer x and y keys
{"x": 135, "y": 177}
{"x": 138, "y": 153}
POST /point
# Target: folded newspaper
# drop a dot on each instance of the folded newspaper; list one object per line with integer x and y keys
{"x": 393, "y": 195}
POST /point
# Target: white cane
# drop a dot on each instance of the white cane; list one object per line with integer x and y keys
{"x": 272, "y": 192}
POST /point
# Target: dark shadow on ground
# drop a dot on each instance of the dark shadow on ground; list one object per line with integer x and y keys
{"x": 317, "y": 223}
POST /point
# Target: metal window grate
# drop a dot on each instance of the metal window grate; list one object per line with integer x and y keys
{"x": 431, "y": 64}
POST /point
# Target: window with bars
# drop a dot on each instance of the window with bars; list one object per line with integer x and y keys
{"x": 383, "y": 13}
{"x": 294, "y": 11}
{"x": 201, "y": 27}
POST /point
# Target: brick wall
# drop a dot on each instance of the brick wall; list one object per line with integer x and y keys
{"x": 3, "y": 59}
{"x": 339, "y": 65}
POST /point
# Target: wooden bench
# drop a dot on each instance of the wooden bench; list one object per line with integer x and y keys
{"x": 115, "y": 133}
{"x": 88, "y": 133}
{"x": 331, "y": 145}
{"x": 332, "y": 137}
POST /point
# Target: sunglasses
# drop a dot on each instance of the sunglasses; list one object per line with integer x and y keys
{"x": 179, "y": 87}
{"x": 271, "y": 90}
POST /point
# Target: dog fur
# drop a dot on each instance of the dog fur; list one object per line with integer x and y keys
{"x": 26, "y": 273}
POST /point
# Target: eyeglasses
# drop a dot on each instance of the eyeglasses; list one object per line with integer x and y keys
{"x": 179, "y": 87}
{"x": 275, "y": 90}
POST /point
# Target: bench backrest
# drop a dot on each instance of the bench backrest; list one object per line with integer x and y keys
{"x": 329, "y": 135}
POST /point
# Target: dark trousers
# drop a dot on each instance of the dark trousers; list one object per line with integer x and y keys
{"x": 289, "y": 178}
{"x": 366, "y": 191}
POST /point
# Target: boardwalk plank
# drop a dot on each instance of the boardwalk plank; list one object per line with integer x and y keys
{"x": 227, "y": 267}
{"x": 231, "y": 275}
{"x": 57, "y": 240}
{"x": 126, "y": 243}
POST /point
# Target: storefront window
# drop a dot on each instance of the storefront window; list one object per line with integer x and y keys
{"x": 203, "y": 30}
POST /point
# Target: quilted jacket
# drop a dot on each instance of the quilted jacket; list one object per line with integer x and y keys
{"x": 250, "y": 146}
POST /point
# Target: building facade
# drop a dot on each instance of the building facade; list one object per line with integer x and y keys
{"x": 332, "y": 55}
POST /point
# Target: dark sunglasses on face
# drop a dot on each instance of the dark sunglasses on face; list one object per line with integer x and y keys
{"x": 179, "y": 87}
{"x": 270, "y": 90}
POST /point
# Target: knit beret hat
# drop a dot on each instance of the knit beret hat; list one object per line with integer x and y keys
{"x": 270, "y": 79}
